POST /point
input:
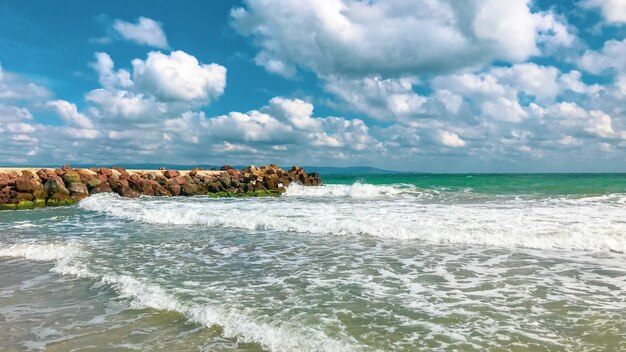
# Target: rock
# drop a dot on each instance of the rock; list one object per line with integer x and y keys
{"x": 39, "y": 191}
{"x": 70, "y": 176}
{"x": 233, "y": 173}
{"x": 174, "y": 189}
{"x": 78, "y": 190}
{"x": 171, "y": 173}
{"x": 23, "y": 184}
{"x": 93, "y": 183}
{"x": 56, "y": 189}
{"x": 189, "y": 189}
{"x": 66, "y": 186}
{"x": 102, "y": 188}
{"x": 25, "y": 204}
{"x": 60, "y": 202}
{"x": 20, "y": 196}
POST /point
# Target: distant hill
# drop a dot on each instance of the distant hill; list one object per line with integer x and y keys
{"x": 150, "y": 166}
{"x": 348, "y": 170}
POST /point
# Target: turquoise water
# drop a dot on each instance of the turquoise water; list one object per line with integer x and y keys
{"x": 523, "y": 184}
{"x": 364, "y": 263}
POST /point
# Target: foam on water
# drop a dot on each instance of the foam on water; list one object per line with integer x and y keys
{"x": 40, "y": 252}
{"x": 356, "y": 190}
{"x": 140, "y": 294}
{"x": 563, "y": 223}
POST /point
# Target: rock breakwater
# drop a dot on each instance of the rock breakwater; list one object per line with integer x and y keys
{"x": 32, "y": 188}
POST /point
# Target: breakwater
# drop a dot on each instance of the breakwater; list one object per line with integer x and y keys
{"x": 33, "y": 188}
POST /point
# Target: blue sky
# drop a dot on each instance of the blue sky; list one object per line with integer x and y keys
{"x": 416, "y": 85}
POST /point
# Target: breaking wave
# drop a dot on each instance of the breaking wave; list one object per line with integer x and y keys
{"x": 140, "y": 294}
{"x": 581, "y": 225}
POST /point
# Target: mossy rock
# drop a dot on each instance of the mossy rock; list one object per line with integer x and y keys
{"x": 71, "y": 177}
{"x": 8, "y": 206}
{"x": 39, "y": 203}
{"x": 25, "y": 204}
{"x": 60, "y": 202}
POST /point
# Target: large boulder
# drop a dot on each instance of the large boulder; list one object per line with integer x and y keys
{"x": 171, "y": 173}
{"x": 56, "y": 189}
{"x": 71, "y": 176}
{"x": 23, "y": 184}
{"x": 189, "y": 189}
{"x": 78, "y": 190}
{"x": 102, "y": 188}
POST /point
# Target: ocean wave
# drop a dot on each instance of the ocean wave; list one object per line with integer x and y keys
{"x": 527, "y": 224}
{"x": 40, "y": 252}
{"x": 356, "y": 190}
{"x": 141, "y": 295}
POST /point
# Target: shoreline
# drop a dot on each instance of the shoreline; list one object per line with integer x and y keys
{"x": 28, "y": 188}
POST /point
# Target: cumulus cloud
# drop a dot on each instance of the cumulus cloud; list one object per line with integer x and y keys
{"x": 613, "y": 11}
{"x": 69, "y": 113}
{"x": 107, "y": 76}
{"x": 611, "y": 56}
{"x": 179, "y": 76}
{"x": 450, "y": 139}
{"x": 145, "y": 31}
{"x": 383, "y": 99}
{"x": 15, "y": 87}
{"x": 355, "y": 38}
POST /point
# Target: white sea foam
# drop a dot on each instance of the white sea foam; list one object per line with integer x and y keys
{"x": 596, "y": 226}
{"x": 356, "y": 190}
{"x": 140, "y": 294}
{"x": 39, "y": 252}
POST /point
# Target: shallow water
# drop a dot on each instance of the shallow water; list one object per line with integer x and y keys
{"x": 377, "y": 266}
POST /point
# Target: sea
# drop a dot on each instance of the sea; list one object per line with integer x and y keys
{"x": 399, "y": 262}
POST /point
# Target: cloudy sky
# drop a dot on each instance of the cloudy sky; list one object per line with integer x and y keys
{"x": 421, "y": 85}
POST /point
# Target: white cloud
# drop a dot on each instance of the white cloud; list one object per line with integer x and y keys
{"x": 10, "y": 113}
{"x": 610, "y": 56}
{"x": 600, "y": 124}
{"x": 123, "y": 104}
{"x": 383, "y": 99}
{"x": 613, "y": 11}
{"x": 355, "y": 38}
{"x": 179, "y": 76}
{"x": 70, "y": 114}
{"x": 530, "y": 78}
{"x": 15, "y": 87}
{"x": 145, "y": 32}
{"x": 503, "y": 109}
{"x": 450, "y": 139}
{"x": 107, "y": 76}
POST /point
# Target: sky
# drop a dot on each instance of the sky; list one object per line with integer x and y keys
{"x": 409, "y": 85}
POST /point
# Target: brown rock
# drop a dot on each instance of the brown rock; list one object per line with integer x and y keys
{"x": 173, "y": 188}
{"x": 102, "y": 188}
{"x": 20, "y": 196}
{"x": 171, "y": 173}
{"x": 23, "y": 184}
{"x": 106, "y": 171}
{"x": 78, "y": 190}
{"x": 39, "y": 191}
{"x": 189, "y": 189}
{"x": 55, "y": 189}
{"x": 233, "y": 173}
